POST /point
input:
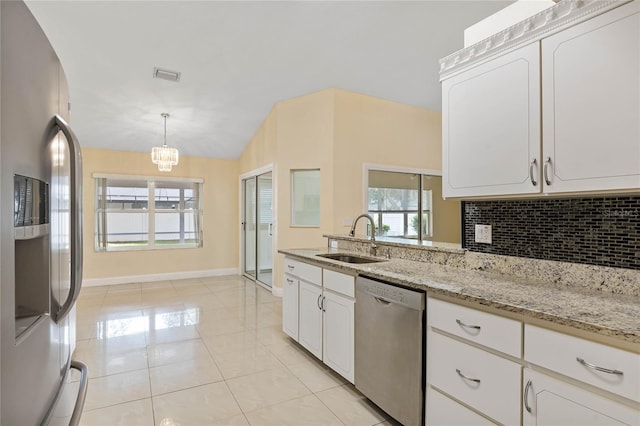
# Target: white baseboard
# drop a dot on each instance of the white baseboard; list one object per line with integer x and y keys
{"x": 276, "y": 291}
{"x": 92, "y": 282}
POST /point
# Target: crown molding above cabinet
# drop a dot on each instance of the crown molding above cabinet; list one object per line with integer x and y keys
{"x": 543, "y": 24}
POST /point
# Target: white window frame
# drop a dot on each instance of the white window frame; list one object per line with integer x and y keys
{"x": 150, "y": 182}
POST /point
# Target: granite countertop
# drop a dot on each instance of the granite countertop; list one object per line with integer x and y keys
{"x": 613, "y": 316}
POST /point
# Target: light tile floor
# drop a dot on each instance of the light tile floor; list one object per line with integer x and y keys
{"x": 206, "y": 351}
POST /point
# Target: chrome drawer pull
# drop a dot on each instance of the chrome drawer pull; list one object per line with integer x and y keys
{"x": 291, "y": 267}
{"x": 467, "y": 378}
{"x": 595, "y": 367}
{"x": 461, "y": 324}
{"x": 289, "y": 280}
{"x": 526, "y": 396}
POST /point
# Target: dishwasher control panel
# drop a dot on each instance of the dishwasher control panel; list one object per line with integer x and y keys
{"x": 391, "y": 293}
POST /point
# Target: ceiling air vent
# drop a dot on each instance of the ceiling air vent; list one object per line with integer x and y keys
{"x": 166, "y": 74}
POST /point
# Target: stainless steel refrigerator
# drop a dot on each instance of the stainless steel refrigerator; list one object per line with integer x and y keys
{"x": 41, "y": 226}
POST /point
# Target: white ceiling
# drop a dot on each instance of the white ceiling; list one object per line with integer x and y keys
{"x": 239, "y": 58}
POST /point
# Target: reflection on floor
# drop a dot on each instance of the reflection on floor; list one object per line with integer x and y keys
{"x": 206, "y": 351}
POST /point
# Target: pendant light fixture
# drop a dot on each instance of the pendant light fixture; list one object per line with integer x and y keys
{"x": 164, "y": 156}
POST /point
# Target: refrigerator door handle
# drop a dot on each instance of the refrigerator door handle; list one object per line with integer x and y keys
{"x": 82, "y": 392}
{"x": 75, "y": 195}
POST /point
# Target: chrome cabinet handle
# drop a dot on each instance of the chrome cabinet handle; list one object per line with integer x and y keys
{"x": 318, "y": 301}
{"x": 547, "y": 163}
{"x": 323, "y": 308}
{"x": 526, "y": 396}
{"x": 595, "y": 367}
{"x": 467, "y": 378}
{"x": 289, "y": 280}
{"x": 291, "y": 267}
{"x": 534, "y": 162}
{"x": 75, "y": 213}
{"x": 473, "y": 327}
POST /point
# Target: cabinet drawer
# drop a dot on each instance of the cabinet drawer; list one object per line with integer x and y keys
{"x": 497, "y": 392}
{"x": 560, "y": 352}
{"x": 340, "y": 283}
{"x": 442, "y": 410}
{"x": 304, "y": 271}
{"x": 499, "y": 333}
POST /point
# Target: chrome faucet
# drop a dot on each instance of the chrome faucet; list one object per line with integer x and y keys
{"x": 352, "y": 233}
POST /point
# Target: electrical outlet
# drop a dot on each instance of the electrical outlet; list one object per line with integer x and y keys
{"x": 483, "y": 234}
{"x": 333, "y": 244}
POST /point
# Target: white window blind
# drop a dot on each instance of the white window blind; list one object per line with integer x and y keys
{"x": 140, "y": 213}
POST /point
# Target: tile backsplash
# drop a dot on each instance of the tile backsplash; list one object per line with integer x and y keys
{"x": 602, "y": 231}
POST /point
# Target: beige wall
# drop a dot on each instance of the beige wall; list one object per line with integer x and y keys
{"x": 333, "y": 130}
{"x": 338, "y": 132}
{"x": 220, "y": 218}
{"x": 377, "y": 131}
{"x": 296, "y": 134}
{"x": 261, "y": 150}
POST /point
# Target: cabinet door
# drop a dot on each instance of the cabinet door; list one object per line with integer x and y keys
{"x": 591, "y": 104}
{"x": 491, "y": 127}
{"x": 338, "y": 351}
{"x": 310, "y": 319}
{"x": 290, "y": 306}
{"x": 551, "y": 402}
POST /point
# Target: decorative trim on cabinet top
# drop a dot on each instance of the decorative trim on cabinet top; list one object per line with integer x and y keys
{"x": 534, "y": 28}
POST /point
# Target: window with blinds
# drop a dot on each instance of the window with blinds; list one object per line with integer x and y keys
{"x": 395, "y": 201}
{"x": 143, "y": 213}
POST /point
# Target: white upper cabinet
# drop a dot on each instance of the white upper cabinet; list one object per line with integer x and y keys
{"x": 591, "y": 104}
{"x": 491, "y": 126}
{"x": 580, "y": 84}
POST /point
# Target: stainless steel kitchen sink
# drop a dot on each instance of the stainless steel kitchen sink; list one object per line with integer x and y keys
{"x": 350, "y": 258}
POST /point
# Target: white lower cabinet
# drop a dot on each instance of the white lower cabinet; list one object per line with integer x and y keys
{"x": 338, "y": 339}
{"x": 482, "y": 380}
{"x": 583, "y": 383}
{"x": 473, "y": 369}
{"x": 607, "y": 368}
{"x": 551, "y": 402}
{"x": 310, "y": 318}
{"x": 290, "y": 306}
{"x": 318, "y": 311}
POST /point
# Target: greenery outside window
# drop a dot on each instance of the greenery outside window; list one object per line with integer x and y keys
{"x": 394, "y": 202}
{"x": 144, "y": 213}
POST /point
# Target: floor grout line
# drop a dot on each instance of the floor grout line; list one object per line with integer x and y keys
{"x": 245, "y": 303}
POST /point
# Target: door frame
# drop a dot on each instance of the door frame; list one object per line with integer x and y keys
{"x": 247, "y": 175}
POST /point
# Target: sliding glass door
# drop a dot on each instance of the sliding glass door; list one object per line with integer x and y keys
{"x": 258, "y": 228}
{"x": 264, "y": 237}
{"x": 249, "y": 227}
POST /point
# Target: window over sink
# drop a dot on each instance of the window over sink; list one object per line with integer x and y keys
{"x": 409, "y": 205}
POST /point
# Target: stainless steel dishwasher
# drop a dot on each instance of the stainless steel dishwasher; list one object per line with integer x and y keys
{"x": 389, "y": 348}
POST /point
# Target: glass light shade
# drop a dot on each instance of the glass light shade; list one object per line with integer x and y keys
{"x": 165, "y": 157}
